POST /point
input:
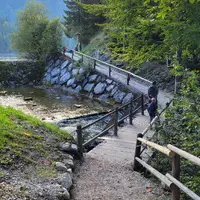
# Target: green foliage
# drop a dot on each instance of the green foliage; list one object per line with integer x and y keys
{"x": 6, "y": 30}
{"x": 182, "y": 127}
{"x": 36, "y": 35}
{"x": 79, "y": 21}
{"x": 151, "y": 30}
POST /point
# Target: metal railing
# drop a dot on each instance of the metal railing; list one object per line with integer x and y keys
{"x": 115, "y": 120}
{"x": 95, "y": 63}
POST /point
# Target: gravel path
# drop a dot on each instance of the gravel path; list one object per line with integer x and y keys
{"x": 107, "y": 174}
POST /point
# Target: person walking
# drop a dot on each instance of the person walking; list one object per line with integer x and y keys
{"x": 64, "y": 50}
{"x": 153, "y": 91}
{"x": 152, "y": 108}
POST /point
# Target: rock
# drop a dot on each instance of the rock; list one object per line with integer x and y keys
{"x": 118, "y": 97}
{"x": 88, "y": 87}
{"x": 63, "y": 71}
{"x": 127, "y": 98}
{"x": 99, "y": 79}
{"x": 3, "y": 92}
{"x": 75, "y": 71}
{"x": 57, "y": 63}
{"x": 65, "y": 78}
{"x": 109, "y": 88}
{"x": 65, "y": 180}
{"x": 66, "y": 146}
{"x": 28, "y": 98}
{"x": 61, "y": 166}
{"x": 81, "y": 70}
{"x": 70, "y": 82}
{"x": 55, "y": 80}
{"x": 63, "y": 195}
{"x": 109, "y": 81}
{"x": 104, "y": 97}
{"x": 77, "y": 106}
{"x": 78, "y": 89}
{"x": 64, "y": 64}
{"x": 114, "y": 90}
{"x": 70, "y": 67}
{"x": 92, "y": 78}
{"x": 104, "y": 57}
{"x": 47, "y": 77}
{"x": 100, "y": 88}
{"x": 55, "y": 72}
{"x": 69, "y": 163}
{"x": 69, "y": 171}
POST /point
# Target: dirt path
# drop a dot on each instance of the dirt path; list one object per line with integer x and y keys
{"x": 107, "y": 174}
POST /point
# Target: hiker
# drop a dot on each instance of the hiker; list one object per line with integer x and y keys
{"x": 153, "y": 91}
{"x": 64, "y": 49}
{"x": 152, "y": 108}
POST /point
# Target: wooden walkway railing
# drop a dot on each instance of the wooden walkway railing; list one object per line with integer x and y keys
{"x": 172, "y": 181}
{"x": 114, "y": 113}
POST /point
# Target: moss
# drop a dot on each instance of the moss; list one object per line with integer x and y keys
{"x": 46, "y": 172}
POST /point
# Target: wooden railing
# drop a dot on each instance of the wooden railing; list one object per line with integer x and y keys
{"x": 94, "y": 63}
{"x": 172, "y": 181}
{"x": 114, "y": 124}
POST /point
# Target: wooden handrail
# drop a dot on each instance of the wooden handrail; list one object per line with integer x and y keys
{"x": 160, "y": 148}
{"x": 183, "y": 187}
{"x": 155, "y": 172}
{"x": 184, "y": 154}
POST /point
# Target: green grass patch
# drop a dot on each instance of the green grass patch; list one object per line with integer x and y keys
{"x": 23, "y": 137}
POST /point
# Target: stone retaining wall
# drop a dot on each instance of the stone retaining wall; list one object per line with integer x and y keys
{"x": 77, "y": 78}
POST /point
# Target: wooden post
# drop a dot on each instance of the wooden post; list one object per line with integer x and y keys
{"x": 110, "y": 71}
{"x": 72, "y": 55}
{"x": 80, "y": 140}
{"x": 116, "y": 121}
{"x": 137, "y": 165}
{"x": 142, "y": 104}
{"x": 131, "y": 112}
{"x": 128, "y": 79}
{"x": 94, "y": 64}
{"x": 176, "y": 175}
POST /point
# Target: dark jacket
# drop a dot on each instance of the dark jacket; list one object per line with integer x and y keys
{"x": 153, "y": 91}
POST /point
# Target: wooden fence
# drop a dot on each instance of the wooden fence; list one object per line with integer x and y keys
{"x": 114, "y": 115}
{"x": 172, "y": 181}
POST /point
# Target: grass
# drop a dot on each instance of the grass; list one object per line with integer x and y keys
{"x": 21, "y": 135}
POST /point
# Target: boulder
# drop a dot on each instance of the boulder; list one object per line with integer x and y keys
{"x": 55, "y": 72}
{"x": 61, "y": 167}
{"x": 103, "y": 97}
{"x": 88, "y": 87}
{"x": 81, "y": 70}
{"x": 109, "y": 81}
{"x": 64, "y": 64}
{"x": 92, "y": 78}
{"x": 70, "y": 67}
{"x": 78, "y": 89}
{"x": 70, "y": 82}
{"x": 127, "y": 98}
{"x": 118, "y": 96}
{"x": 55, "y": 80}
{"x": 100, "y": 88}
{"x": 57, "y": 63}
{"x": 109, "y": 88}
{"x": 63, "y": 71}
{"x": 65, "y": 78}
{"x": 75, "y": 71}
{"x": 65, "y": 180}
{"x": 114, "y": 90}
{"x": 47, "y": 77}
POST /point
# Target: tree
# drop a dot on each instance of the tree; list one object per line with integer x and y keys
{"x": 150, "y": 30}
{"x": 34, "y": 35}
{"x": 77, "y": 21}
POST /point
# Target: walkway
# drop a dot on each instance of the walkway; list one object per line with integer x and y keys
{"x": 106, "y": 173}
